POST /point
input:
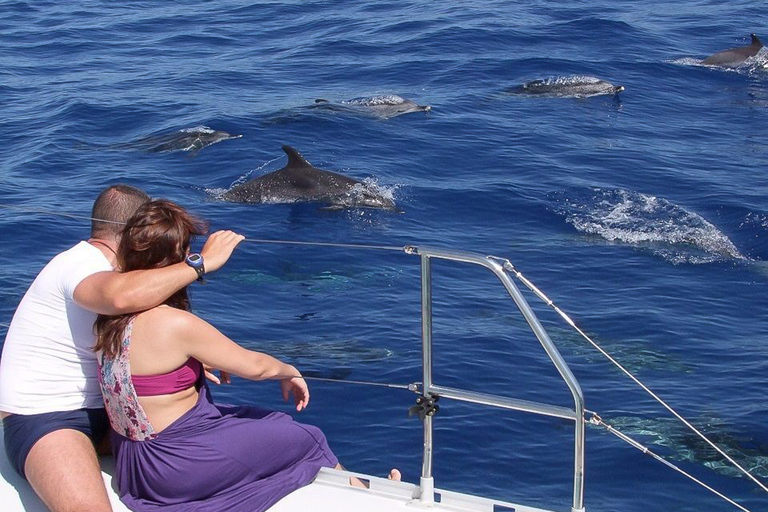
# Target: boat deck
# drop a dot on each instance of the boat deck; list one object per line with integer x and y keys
{"x": 330, "y": 492}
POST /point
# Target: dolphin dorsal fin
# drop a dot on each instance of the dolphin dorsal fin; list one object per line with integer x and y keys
{"x": 755, "y": 40}
{"x": 294, "y": 158}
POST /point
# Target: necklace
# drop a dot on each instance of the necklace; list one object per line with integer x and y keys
{"x": 105, "y": 245}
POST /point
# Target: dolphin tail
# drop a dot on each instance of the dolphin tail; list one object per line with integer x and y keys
{"x": 294, "y": 158}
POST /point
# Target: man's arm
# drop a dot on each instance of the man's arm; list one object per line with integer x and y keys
{"x": 115, "y": 293}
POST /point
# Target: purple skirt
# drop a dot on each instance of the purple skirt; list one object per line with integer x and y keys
{"x": 214, "y": 457}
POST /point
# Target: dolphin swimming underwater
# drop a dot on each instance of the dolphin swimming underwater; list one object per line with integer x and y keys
{"x": 299, "y": 181}
{"x": 189, "y": 139}
{"x": 383, "y": 107}
{"x": 734, "y": 57}
{"x": 576, "y": 86}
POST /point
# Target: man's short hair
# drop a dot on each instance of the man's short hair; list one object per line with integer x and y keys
{"x": 114, "y": 206}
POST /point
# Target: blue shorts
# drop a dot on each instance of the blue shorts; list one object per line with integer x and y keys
{"x": 22, "y": 431}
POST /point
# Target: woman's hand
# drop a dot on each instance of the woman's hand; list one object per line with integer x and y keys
{"x": 297, "y": 386}
{"x": 224, "y": 376}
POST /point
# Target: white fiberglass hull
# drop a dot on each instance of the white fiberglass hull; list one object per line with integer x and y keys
{"x": 330, "y": 492}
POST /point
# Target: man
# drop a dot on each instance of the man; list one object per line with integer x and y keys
{"x": 50, "y": 400}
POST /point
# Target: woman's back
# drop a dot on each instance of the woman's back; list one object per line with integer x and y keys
{"x": 167, "y": 445}
{"x": 155, "y": 349}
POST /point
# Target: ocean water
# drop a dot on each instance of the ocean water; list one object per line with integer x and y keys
{"x": 644, "y": 216}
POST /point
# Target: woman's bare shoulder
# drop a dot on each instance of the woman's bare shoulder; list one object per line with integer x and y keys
{"x": 167, "y": 319}
{"x": 159, "y": 340}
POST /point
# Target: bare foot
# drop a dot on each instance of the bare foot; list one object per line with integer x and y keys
{"x": 353, "y": 480}
{"x": 394, "y": 475}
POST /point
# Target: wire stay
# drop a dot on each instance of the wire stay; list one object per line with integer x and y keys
{"x": 251, "y": 240}
{"x": 414, "y": 386}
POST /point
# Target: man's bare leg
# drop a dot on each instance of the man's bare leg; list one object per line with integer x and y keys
{"x": 64, "y": 472}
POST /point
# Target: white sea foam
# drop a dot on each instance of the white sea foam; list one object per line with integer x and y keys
{"x": 571, "y": 80}
{"x": 372, "y": 186}
{"x": 686, "y": 61}
{"x": 215, "y": 192}
{"x": 668, "y": 230}
{"x": 755, "y": 219}
{"x": 372, "y": 101}
{"x": 197, "y": 129}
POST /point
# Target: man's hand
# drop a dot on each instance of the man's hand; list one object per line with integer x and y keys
{"x": 218, "y": 248}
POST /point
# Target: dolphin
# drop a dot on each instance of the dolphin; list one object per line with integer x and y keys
{"x": 299, "y": 181}
{"x": 382, "y": 107}
{"x": 188, "y": 139}
{"x": 191, "y": 140}
{"x": 734, "y": 57}
{"x": 576, "y": 86}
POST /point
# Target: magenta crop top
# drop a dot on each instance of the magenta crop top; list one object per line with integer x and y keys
{"x": 172, "y": 382}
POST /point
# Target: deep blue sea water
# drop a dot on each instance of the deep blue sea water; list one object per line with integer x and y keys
{"x": 645, "y": 216}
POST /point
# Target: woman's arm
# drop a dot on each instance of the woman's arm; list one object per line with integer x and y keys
{"x": 199, "y": 339}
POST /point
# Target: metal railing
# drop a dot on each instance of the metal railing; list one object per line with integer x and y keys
{"x": 495, "y": 265}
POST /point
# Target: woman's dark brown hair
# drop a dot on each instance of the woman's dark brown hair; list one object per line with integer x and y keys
{"x": 158, "y": 235}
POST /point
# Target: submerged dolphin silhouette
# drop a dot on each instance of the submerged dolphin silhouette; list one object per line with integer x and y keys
{"x": 299, "y": 181}
{"x": 577, "y": 86}
{"x": 734, "y": 57}
{"x": 188, "y": 139}
{"x": 383, "y": 107}
{"x": 191, "y": 140}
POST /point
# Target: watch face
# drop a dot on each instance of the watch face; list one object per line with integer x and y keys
{"x": 194, "y": 259}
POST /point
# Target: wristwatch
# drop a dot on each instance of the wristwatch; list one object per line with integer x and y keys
{"x": 195, "y": 261}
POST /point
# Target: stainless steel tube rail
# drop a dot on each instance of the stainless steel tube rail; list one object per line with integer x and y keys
{"x": 495, "y": 265}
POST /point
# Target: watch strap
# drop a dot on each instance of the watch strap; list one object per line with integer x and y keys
{"x": 200, "y": 272}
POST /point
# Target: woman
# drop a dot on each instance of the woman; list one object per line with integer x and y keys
{"x": 174, "y": 448}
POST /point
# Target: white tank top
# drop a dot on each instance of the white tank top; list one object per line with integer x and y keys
{"x": 47, "y": 362}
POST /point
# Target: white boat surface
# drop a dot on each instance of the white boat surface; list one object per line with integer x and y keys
{"x": 329, "y": 492}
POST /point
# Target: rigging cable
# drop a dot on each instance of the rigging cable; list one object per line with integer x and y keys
{"x": 54, "y": 213}
{"x": 330, "y": 244}
{"x": 414, "y": 386}
{"x": 252, "y": 240}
